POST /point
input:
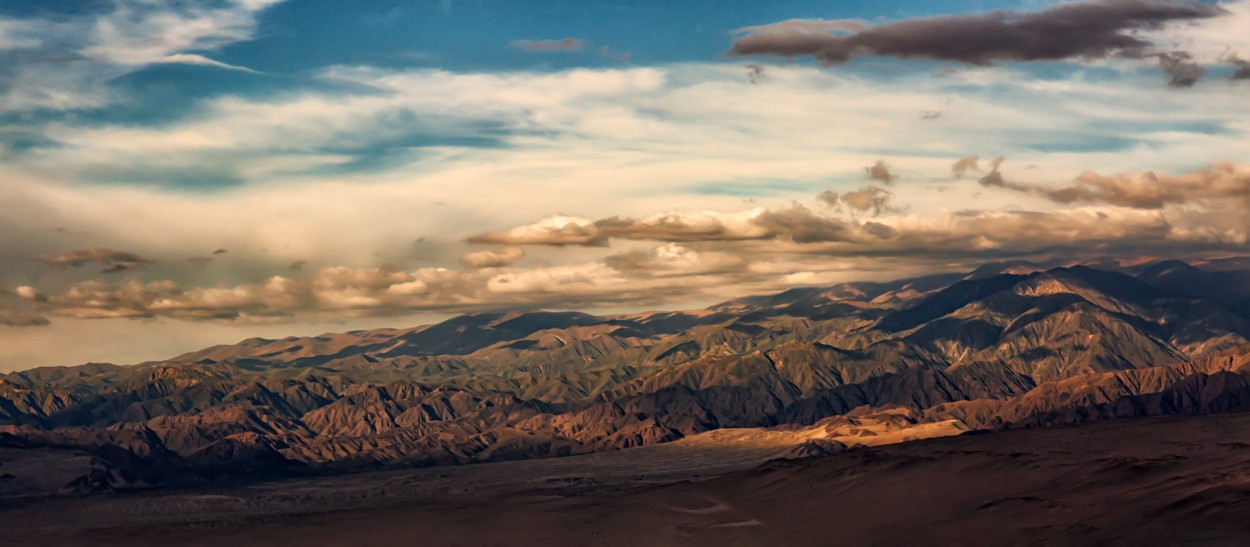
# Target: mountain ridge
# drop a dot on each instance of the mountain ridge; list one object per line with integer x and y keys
{"x": 1007, "y": 345}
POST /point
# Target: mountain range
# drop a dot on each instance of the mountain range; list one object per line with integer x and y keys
{"x": 1008, "y": 345}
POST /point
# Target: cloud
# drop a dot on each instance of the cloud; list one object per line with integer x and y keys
{"x": 339, "y": 290}
{"x": 342, "y": 292}
{"x": 995, "y": 176}
{"x": 701, "y": 254}
{"x": 29, "y": 293}
{"x": 622, "y": 56}
{"x": 795, "y": 223}
{"x": 800, "y": 225}
{"x": 140, "y": 33}
{"x": 680, "y": 226}
{"x": 880, "y": 231}
{"x": 805, "y": 243}
{"x": 673, "y": 259}
{"x": 965, "y": 164}
{"x": 1220, "y": 186}
{"x": 115, "y": 261}
{"x": 1181, "y": 67}
{"x": 200, "y": 60}
{"x": 869, "y": 198}
{"x": 17, "y": 34}
{"x": 794, "y": 37}
{"x": 755, "y": 72}
{"x": 1241, "y": 67}
{"x": 493, "y": 259}
{"x": 564, "y": 44}
{"x": 829, "y": 198}
{"x": 1076, "y": 31}
{"x": 65, "y": 62}
{"x": 553, "y": 230}
{"x": 880, "y": 171}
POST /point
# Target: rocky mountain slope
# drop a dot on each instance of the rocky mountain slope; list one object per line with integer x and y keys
{"x": 1006, "y": 346}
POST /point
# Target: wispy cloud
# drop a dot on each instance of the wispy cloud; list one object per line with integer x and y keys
{"x": 563, "y": 44}
{"x": 200, "y": 60}
{"x": 66, "y": 62}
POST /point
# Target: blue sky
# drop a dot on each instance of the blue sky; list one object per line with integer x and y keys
{"x": 201, "y": 171}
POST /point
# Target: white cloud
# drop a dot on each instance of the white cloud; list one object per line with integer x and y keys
{"x": 136, "y": 32}
{"x": 28, "y": 292}
{"x": 193, "y": 59}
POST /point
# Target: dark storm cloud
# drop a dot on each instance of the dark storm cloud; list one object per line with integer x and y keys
{"x": 1086, "y": 30}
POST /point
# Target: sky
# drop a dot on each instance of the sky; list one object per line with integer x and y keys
{"x": 181, "y": 173}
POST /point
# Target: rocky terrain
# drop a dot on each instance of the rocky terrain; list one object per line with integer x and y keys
{"x": 1007, "y": 346}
